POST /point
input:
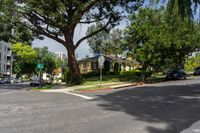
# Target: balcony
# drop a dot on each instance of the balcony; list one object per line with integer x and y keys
{"x": 9, "y": 53}
{"x": 7, "y": 72}
{"x": 8, "y": 63}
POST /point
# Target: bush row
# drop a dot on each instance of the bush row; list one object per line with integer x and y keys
{"x": 122, "y": 74}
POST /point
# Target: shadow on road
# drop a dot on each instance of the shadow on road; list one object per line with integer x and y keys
{"x": 176, "y": 106}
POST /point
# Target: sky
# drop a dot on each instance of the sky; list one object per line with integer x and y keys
{"x": 54, "y": 46}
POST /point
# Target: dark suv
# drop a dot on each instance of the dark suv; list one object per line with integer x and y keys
{"x": 175, "y": 74}
{"x": 197, "y": 71}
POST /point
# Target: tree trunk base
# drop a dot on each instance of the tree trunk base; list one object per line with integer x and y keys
{"x": 74, "y": 80}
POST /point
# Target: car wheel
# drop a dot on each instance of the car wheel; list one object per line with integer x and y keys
{"x": 184, "y": 77}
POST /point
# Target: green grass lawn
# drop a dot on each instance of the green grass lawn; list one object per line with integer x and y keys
{"x": 93, "y": 82}
{"x": 105, "y": 79}
{"x": 94, "y": 88}
{"x": 46, "y": 87}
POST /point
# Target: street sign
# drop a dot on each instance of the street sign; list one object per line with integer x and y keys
{"x": 40, "y": 66}
{"x": 101, "y": 61}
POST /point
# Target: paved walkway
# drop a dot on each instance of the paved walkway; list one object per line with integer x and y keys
{"x": 195, "y": 128}
{"x": 62, "y": 88}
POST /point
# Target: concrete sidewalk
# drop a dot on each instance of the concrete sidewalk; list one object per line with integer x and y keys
{"x": 111, "y": 85}
{"x": 195, "y": 128}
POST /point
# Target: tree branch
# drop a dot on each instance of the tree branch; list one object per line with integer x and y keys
{"x": 93, "y": 33}
{"x": 89, "y": 22}
{"x": 89, "y": 5}
{"x": 40, "y": 30}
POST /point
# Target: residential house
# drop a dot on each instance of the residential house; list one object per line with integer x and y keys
{"x": 111, "y": 64}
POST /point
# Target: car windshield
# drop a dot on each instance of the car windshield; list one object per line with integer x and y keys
{"x": 36, "y": 78}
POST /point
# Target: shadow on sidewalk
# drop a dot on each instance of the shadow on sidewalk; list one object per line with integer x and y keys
{"x": 176, "y": 106}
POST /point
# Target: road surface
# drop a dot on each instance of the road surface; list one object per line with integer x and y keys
{"x": 169, "y": 107}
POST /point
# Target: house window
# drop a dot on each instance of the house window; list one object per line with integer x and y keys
{"x": 93, "y": 65}
{"x": 85, "y": 65}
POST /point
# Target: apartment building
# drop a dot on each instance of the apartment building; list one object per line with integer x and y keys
{"x": 61, "y": 55}
{"x": 5, "y": 59}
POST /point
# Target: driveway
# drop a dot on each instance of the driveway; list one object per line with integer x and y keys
{"x": 169, "y": 107}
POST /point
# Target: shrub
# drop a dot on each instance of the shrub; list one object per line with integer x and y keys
{"x": 90, "y": 74}
{"x": 67, "y": 77}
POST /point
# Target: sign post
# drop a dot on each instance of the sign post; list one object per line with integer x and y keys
{"x": 40, "y": 66}
{"x": 101, "y": 61}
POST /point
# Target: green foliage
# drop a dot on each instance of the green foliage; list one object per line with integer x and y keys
{"x": 116, "y": 67}
{"x": 24, "y": 52}
{"x": 47, "y": 58}
{"x": 192, "y": 62}
{"x": 159, "y": 41}
{"x": 10, "y": 29}
{"x": 90, "y": 74}
{"x": 105, "y": 42}
{"x": 25, "y": 59}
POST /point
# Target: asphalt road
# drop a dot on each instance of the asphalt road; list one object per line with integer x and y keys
{"x": 168, "y": 107}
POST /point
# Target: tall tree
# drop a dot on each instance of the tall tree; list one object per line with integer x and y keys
{"x": 25, "y": 57}
{"x": 157, "y": 40}
{"x": 10, "y": 29}
{"x": 57, "y": 19}
{"x": 105, "y": 42}
{"x": 184, "y": 8}
{"x": 47, "y": 58}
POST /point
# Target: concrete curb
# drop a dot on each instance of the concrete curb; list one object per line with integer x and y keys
{"x": 114, "y": 87}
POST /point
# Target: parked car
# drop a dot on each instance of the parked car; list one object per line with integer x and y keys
{"x": 175, "y": 74}
{"x": 4, "y": 81}
{"x": 11, "y": 80}
{"x": 36, "y": 82}
{"x": 18, "y": 80}
{"x": 196, "y": 71}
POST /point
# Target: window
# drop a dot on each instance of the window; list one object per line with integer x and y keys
{"x": 5, "y": 57}
{"x": 85, "y": 65}
{"x": 93, "y": 65}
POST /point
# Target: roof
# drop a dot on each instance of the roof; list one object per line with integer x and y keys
{"x": 111, "y": 58}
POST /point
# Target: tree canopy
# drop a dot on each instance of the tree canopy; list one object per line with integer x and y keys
{"x": 157, "y": 40}
{"x": 104, "y": 42}
{"x": 25, "y": 57}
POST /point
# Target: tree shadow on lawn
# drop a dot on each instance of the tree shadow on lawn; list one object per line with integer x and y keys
{"x": 176, "y": 106}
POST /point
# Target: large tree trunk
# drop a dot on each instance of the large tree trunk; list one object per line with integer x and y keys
{"x": 144, "y": 73}
{"x": 74, "y": 76}
{"x": 74, "y": 72}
